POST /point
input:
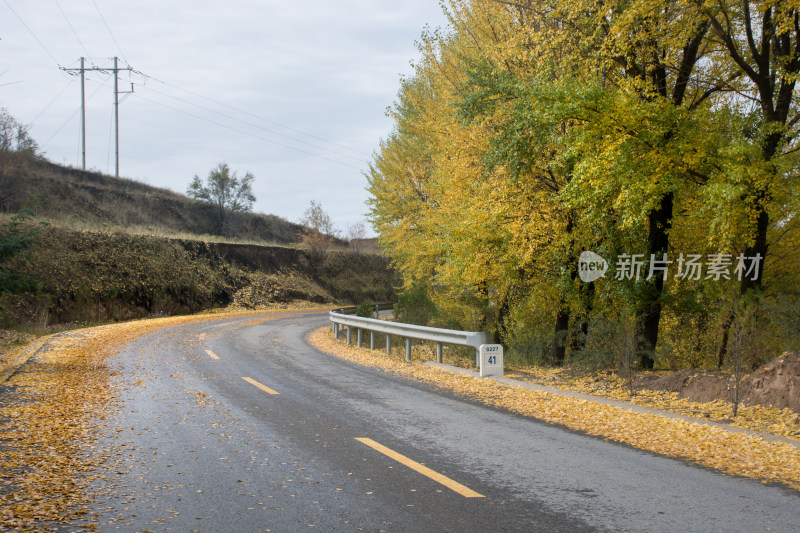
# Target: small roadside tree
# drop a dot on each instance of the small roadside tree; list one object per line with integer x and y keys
{"x": 356, "y": 234}
{"x": 17, "y": 149}
{"x": 319, "y": 232}
{"x": 224, "y": 190}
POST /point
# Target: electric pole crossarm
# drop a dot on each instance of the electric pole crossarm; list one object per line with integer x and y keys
{"x": 83, "y": 69}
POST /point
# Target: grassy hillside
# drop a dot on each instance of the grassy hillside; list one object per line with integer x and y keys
{"x": 89, "y": 276}
{"x": 90, "y": 200}
{"x": 116, "y": 249}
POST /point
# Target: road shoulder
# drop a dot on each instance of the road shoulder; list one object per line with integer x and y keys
{"x": 716, "y": 446}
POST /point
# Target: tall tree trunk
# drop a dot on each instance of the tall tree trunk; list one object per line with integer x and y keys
{"x": 757, "y": 252}
{"x": 499, "y": 331}
{"x": 586, "y": 295}
{"x": 723, "y": 347}
{"x": 558, "y": 349}
{"x": 650, "y": 315}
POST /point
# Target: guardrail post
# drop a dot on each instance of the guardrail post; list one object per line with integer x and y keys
{"x": 358, "y": 336}
{"x": 345, "y": 318}
{"x": 335, "y": 330}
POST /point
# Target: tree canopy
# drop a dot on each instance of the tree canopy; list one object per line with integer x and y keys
{"x": 224, "y": 190}
{"x": 17, "y": 150}
{"x": 661, "y": 136}
{"x": 319, "y": 231}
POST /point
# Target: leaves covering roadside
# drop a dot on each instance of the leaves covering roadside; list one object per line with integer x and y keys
{"x": 709, "y": 446}
{"x": 51, "y": 421}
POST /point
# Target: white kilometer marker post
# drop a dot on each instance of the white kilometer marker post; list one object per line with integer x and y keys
{"x": 491, "y": 356}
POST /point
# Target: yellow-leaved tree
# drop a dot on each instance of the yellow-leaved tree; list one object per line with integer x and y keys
{"x": 534, "y": 130}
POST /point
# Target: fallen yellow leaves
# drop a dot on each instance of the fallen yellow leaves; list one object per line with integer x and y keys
{"x": 47, "y": 431}
{"x": 52, "y": 418}
{"x": 782, "y": 422}
{"x": 710, "y": 446}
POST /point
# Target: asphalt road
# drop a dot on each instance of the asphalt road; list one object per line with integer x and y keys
{"x": 310, "y": 442}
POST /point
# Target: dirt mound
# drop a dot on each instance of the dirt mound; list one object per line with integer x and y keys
{"x": 776, "y": 384}
{"x": 694, "y": 385}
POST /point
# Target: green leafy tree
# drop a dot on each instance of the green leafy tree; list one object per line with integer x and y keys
{"x": 17, "y": 149}
{"x": 532, "y": 131}
{"x": 224, "y": 190}
{"x": 762, "y": 39}
{"x": 15, "y": 237}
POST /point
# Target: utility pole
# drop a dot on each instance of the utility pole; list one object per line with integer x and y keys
{"x": 83, "y": 115}
{"x": 115, "y": 70}
{"x": 116, "y": 116}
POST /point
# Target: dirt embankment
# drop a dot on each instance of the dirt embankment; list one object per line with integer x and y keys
{"x": 776, "y": 384}
{"x": 89, "y": 276}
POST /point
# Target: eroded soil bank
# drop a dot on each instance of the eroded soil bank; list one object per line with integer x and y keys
{"x": 776, "y": 384}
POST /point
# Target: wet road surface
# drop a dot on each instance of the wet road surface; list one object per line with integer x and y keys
{"x": 240, "y": 425}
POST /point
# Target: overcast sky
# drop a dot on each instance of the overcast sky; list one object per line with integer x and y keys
{"x": 293, "y": 91}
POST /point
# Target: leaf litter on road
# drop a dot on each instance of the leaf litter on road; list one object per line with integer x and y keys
{"x": 52, "y": 415}
{"x": 710, "y": 446}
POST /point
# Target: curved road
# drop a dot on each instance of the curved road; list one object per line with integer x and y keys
{"x": 312, "y": 442}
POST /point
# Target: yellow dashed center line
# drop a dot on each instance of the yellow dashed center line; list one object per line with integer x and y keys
{"x": 212, "y": 355}
{"x": 260, "y": 386}
{"x": 422, "y": 469}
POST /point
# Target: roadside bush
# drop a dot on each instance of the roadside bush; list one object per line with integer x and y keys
{"x": 607, "y": 344}
{"x": 415, "y": 306}
{"x": 532, "y": 350}
{"x": 365, "y": 310}
{"x": 16, "y": 236}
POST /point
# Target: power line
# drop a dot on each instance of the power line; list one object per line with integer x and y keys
{"x": 70, "y": 82}
{"x": 71, "y": 116}
{"x": 71, "y": 27}
{"x": 248, "y": 113}
{"x": 83, "y": 69}
{"x": 32, "y": 34}
{"x": 257, "y": 126}
{"x": 272, "y": 141}
{"x": 110, "y": 32}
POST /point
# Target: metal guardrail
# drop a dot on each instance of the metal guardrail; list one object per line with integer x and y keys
{"x": 345, "y": 317}
{"x": 376, "y": 309}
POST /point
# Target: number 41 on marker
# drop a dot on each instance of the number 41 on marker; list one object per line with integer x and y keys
{"x": 491, "y": 359}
